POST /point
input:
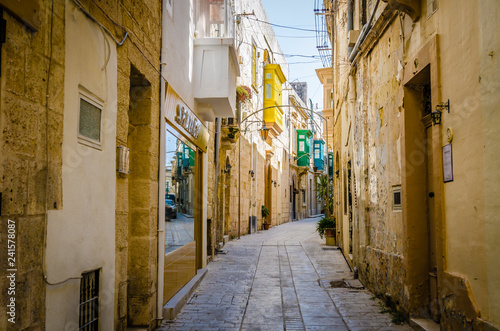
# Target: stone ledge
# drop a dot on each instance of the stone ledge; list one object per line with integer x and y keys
{"x": 424, "y": 324}
{"x": 174, "y": 305}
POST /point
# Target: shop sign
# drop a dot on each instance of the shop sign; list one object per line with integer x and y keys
{"x": 180, "y": 117}
{"x": 185, "y": 118}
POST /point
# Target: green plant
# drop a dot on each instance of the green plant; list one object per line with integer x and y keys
{"x": 324, "y": 191}
{"x": 243, "y": 93}
{"x": 265, "y": 212}
{"x": 325, "y": 223}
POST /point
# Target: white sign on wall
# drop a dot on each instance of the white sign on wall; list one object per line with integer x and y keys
{"x": 447, "y": 164}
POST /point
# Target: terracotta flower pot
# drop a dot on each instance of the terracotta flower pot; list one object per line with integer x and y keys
{"x": 330, "y": 237}
{"x": 330, "y": 232}
{"x": 266, "y": 226}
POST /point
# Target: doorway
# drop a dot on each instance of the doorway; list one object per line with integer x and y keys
{"x": 419, "y": 183}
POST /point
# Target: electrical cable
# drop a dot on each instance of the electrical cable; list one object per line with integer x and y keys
{"x": 280, "y": 26}
{"x": 47, "y": 154}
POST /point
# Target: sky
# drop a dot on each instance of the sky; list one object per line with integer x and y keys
{"x": 298, "y": 14}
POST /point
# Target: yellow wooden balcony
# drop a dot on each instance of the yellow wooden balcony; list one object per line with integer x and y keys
{"x": 273, "y": 81}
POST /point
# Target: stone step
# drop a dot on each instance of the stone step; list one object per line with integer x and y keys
{"x": 424, "y": 324}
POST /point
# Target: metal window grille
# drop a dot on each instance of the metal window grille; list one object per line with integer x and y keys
{"x": 396, "y": 193}
{"x": 89, "y": 301}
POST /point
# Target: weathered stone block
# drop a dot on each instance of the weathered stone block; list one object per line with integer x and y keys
{"x": 139, "y": 194}
{"x": 14, "y": 65}
{"x": 140, "y": 222}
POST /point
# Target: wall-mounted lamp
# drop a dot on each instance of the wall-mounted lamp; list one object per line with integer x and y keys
{"x": 275, "y": 182}
{"x": 227, "y": 169}
{"x": 436, "y": 116}
{"x": 252, "y": 174}
{"x": 437, "y": 113}
{"x": 264, "y": 132}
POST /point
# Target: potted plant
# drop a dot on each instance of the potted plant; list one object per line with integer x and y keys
{"x": 265, "y": 212}
{"x": 324, "y": 190}
{"x": 327, "y": 227}
{"x": 243, "y": 93}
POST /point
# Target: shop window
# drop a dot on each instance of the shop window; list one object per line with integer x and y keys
{"x": 89, "y": 301}
{"x": 89, "y": 122}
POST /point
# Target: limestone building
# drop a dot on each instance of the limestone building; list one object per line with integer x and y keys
{"x": 415, "y": 154}
{"x": 79, "y": 104}
{"x": 120, "y": 161}
{"x": 257, "y": 171}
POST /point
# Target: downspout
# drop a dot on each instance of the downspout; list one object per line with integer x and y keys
{"x": 364, "y": 32}
{"x": 160, "y": 237}
{"x": 216, "y": 182}
{"x": 350, "y": 24}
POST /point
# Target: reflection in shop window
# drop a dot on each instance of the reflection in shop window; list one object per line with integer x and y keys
{"x": 180, "y": 162}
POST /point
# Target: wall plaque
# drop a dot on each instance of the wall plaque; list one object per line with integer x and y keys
{"x": 447, "y": 163}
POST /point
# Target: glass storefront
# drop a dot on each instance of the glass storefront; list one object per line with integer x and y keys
{"x": 185, "y": 142}
{"x": 180, "y": 242}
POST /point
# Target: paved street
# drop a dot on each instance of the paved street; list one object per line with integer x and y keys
{"x": 280, "y": 280}
{"x": 178, "y": 232}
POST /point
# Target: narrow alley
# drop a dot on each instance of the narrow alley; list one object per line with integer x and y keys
{"x": 249, "y": 165}
{"x": 281, "y": 279}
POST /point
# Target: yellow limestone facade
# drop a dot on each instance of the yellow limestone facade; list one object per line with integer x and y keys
{"x": 75, "y": 214}
{"x": 417, "y": 202}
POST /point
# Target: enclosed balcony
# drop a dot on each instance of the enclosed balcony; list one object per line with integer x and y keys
{"x": 319, "y": 155}
{"x": 304, "y": 148}
{"x": 273, "y": 81}
{"x": 215, "y": 63}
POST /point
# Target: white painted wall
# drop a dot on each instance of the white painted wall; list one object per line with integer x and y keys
{"x": 81, "y": 235}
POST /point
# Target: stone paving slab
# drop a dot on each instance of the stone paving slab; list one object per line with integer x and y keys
{"x": 280, "y": 280}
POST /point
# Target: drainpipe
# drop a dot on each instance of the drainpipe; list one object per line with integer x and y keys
{"x": 364, "y": 32}
{"x": 350, "y": 25}
{"x": 216, "y": 182}
{"x": 160, "y": 263}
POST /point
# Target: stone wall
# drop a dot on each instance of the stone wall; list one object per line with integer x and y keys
{"x": 406, "y": 66}
{"x": 137, "y": 193}
{"x": 31, "y": 117}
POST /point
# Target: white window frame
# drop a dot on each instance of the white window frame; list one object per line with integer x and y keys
{"x": 89, "y": 142}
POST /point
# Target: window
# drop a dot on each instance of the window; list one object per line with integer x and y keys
{"x": 89, "y": 122}
{"x": 215, "y": 19}
{"x": 268, "y": 91}
{"x": 89, "y": 301}
{"x": 303, "y": 197}
{"x": 396, "y": 198}
{"x": 254, "y": 66}
{"x": 432, "y": 6}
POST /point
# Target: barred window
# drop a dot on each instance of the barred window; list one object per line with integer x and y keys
{"x": 89, "y": 301}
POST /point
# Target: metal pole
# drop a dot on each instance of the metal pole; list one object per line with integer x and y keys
{"x": 239, "y": 188}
